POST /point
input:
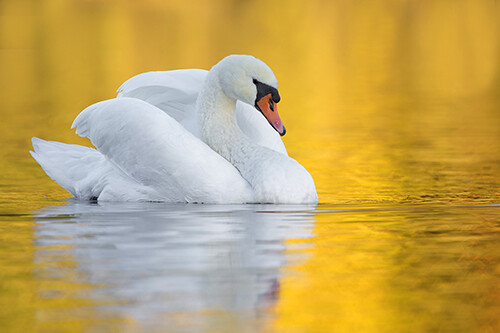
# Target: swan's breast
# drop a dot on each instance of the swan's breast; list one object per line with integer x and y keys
{"x": 277, "y": 178}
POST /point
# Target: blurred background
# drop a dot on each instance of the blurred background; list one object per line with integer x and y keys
{"x": 383, "y": 100}
{"x": 385, "y": 103}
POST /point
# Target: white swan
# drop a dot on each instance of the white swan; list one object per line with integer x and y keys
{"x": 183, "y": 136}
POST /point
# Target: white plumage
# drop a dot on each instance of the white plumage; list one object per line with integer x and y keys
{"x": 181, "y": 136}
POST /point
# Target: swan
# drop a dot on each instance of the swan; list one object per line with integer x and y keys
{"x": 187, "y": 136}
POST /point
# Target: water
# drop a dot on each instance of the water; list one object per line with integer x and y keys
{"x": 392, "y": 107}
{"x": 152, "y": 263}
{"x": 152, "y": 267}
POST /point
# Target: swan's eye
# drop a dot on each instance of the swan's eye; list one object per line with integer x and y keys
{"x": 264, "y": 90}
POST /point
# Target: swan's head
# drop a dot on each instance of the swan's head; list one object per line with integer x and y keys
{"x": 250, "y": 80}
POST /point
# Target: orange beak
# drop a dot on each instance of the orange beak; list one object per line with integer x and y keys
{"x": 270, "y": 110}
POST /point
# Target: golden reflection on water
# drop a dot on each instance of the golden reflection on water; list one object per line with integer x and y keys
{"x": 385, "y": 102}
{"x": 372, "y": 270}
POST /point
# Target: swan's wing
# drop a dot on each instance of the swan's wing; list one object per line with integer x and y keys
{"x": 156, "y": 151}
{"x": 175, "y": 92}
{"x": 183, "y": 81}
{"x": 73, "y": 167}
{"x": 86, "y": 173}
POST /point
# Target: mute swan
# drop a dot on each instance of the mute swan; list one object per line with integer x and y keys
{"x": 183, "y": 136}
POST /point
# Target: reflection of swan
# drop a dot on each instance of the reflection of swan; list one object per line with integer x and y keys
{"x": 146, "y": 262}
{"x": 144, "y": 153}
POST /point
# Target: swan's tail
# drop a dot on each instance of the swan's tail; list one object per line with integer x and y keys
{"x": 76, "y": 168}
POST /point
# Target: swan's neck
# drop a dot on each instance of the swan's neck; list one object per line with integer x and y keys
{"x": 217, "y": 121}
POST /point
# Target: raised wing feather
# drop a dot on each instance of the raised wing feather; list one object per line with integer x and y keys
{"x": 175, "y": 92}
{"x": 155, "y": 150}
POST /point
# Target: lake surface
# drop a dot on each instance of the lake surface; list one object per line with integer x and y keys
{"x": 394, "y": 108}
{"x": 154, "y": 267}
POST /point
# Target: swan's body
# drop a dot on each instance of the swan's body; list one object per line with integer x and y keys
{"x": 183, "y": 136}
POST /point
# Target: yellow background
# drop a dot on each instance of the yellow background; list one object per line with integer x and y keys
{"x": 385, "y": 102}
